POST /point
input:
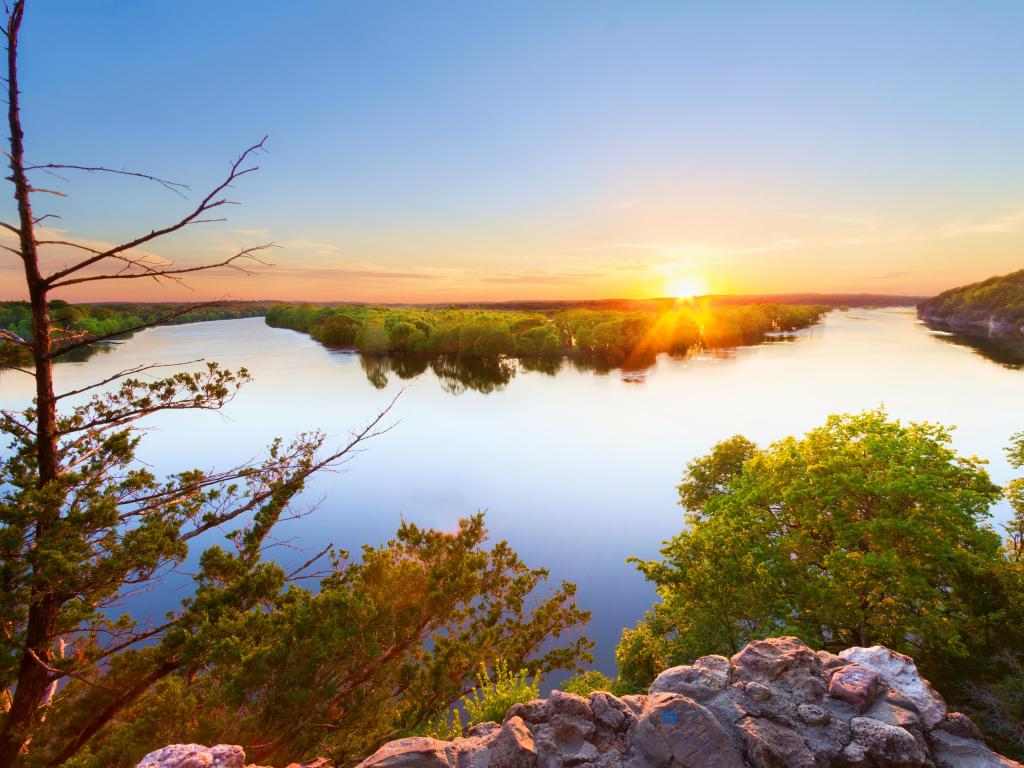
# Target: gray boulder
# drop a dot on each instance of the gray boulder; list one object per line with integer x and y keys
{"x": 195, "y": 756}
{"x": 775, "y": 704}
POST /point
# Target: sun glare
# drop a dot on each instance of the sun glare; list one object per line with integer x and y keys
{"x": 686, "y": 287}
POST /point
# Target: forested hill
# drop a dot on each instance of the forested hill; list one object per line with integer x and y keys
{"x": 993, "y": 307}
{"x": 102, "y": 319}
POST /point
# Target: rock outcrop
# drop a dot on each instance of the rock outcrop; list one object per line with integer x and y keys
{"x": 972, "y": 322}
{"x": 775, "y": 704}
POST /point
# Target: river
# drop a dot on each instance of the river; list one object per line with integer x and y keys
{"x": 576, "y": 469}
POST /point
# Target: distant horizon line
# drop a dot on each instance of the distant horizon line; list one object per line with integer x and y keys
{"x": 898, "y": 298}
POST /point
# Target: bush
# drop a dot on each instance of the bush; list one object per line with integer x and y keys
{"x": 491, "y": 699}
{"x": 587, "y": 682}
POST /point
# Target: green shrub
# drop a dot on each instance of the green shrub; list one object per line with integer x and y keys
{"x": 587, "y": 682}
{"x": 491, "y": 699}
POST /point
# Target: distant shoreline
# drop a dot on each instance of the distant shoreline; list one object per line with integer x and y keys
{"x": 826, "y": 299}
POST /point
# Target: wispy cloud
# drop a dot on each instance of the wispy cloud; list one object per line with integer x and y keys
{"x": 1005, "y": 222}
{"x": 360, "y": 272}
{"x": 536, "y": 278}
{"x": 857, "y": 222}
{"x": 311, "y": 247}
{"x": 694, "y": 250}
{"x": 890, "y": 275}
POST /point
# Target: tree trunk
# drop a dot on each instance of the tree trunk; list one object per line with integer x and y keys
{"x": 33, "y": 678}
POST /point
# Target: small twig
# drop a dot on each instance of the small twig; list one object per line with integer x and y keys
{"x": 173, "y": 186}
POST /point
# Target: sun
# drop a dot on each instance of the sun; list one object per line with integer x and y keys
{"x": 686, "y": 287}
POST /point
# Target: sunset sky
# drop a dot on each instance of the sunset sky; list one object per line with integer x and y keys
{"x": 482, "y": 150}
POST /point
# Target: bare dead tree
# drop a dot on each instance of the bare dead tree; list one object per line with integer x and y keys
{"x": 43, "y": 606}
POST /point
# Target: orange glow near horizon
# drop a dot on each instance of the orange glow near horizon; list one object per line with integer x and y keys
{"x": 686, "y": 287}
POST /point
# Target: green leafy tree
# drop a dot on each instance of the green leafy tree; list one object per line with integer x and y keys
{"x": 994, "y": 699}
{"x": 1015, "y": 495}
{"x": 863, "y": 531}
{"x": 381, "y": 650}
{"x": 84, "y": 525}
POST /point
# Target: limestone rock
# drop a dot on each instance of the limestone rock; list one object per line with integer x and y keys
{"x": 813, "y": 715}
{"x": 757, "y": 692}
{"x": 677, "y": 732}
{"x": 889, "y": 746}
{"x": 767, "y": 660}
{"x": 195, "y": 756}
{"x": 770, "y": 745}
{"x": 854, "y": 684}
{"x": 956, "y": 752}
{"x": 775, "y": 704}
{"x": 514, "y": 746}
{"x": 610, "y": 712}
{"x": 897, "y": 671}
{"x": 414, "y": 752}
{"x": 701, "y": 680}
{"x": 959, "y": 724}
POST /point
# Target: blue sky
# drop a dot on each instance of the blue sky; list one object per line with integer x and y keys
{"x": 431, "y": 151}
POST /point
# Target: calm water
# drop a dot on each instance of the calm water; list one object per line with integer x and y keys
{"x": 577, "y": 469}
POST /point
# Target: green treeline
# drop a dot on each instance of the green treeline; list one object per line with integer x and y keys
{"x": 1001, "y": 298}
{"x": 103, "y": 319}
{"x": 612, "y": 337}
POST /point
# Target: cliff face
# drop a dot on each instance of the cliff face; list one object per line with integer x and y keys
{"x": 776, "y": 704}
{"x": 993, "y": 307}
{"x": 976, "y": 322}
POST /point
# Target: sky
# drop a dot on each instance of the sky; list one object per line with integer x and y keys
{"x": 457, "y": 151}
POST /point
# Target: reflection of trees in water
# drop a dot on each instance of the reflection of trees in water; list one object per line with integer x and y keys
{"x": 82, "y": 354}
{"x": 546, "y": 365}
{"x": 377, "y": 368}
{"x": 1008, "y": 353}
{"x": 481, "y": 374}
{"x": 491, "y": 374}
{"x": 455, "y": 374}
{"x": 79, "y": 355}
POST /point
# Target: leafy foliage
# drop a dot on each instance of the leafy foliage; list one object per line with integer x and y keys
{"x": 1000, "y": 297}
{"x": 612, "y": 337}
{"x": 863, "y": 531}
{"x": 103, "y": 319}
{"x": 994, "y": 698}
{"x": 384, "y": 647}
{"x": 489, "y": 701}
{"x": 587, "y": 682}
{"x": 496, "y": 693}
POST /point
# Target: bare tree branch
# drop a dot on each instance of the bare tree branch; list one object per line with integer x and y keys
{"x": 14, "y": 338}
{"x": 5, "y": 366}
{"x": 154, "y": 273}
{"x": 295, "y": 574}
{"x": 173, "y": 186}
{"x": 207, "y": 203}
{"x": 46, "y": 191}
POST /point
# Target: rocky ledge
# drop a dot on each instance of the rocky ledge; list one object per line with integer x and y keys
{"x": 775, "y": 704}
{"x": 972, "y": 323}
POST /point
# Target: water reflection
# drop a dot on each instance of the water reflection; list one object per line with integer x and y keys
{"x": 1008, "y": 353}
{"x": 576, "y": 463}
{"x": 486, "y": 375}
{"x": 78, "y": 355}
